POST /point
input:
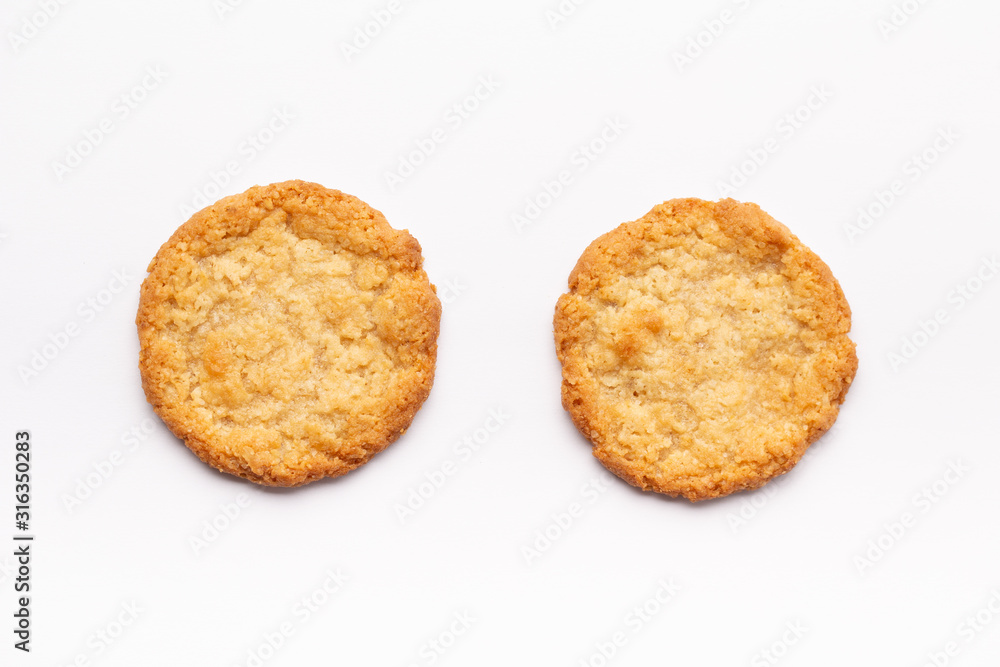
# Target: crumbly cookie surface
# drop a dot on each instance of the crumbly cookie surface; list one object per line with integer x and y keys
{"x": 287, "y": 333}
{"x": 704, "y": 347}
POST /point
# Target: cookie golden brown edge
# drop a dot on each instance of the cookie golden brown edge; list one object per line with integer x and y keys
{"x": 287, "y": 333}
{"x": 703, "y": 348}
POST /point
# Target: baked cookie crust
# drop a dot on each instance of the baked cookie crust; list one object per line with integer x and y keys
{"x": 287, "y": 333}
{"x": 703, "y": 348}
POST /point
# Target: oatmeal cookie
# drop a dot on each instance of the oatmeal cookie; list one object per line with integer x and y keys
{"x": 703, "y": 348}
{"x": 287, "y": 333}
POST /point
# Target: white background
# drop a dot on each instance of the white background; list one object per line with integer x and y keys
{"x": 814, "y": 550}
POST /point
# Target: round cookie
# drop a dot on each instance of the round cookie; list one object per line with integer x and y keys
{"x": 703, "y": 348}
{"x": 287, "y": 333}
